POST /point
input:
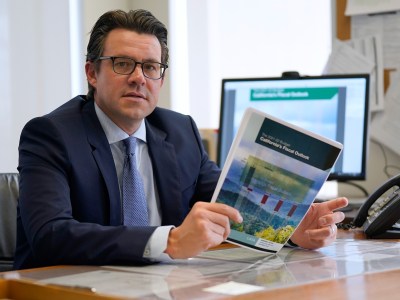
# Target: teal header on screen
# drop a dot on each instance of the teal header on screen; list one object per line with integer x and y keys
{"x": 322, "y": 93}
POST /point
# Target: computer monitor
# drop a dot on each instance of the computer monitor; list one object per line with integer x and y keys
{"x": 335, "y": 106}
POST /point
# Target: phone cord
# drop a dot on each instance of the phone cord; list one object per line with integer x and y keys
{"x": 346, "y": 226}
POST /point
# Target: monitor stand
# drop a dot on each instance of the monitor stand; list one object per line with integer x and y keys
{"x": 330, "y": 190}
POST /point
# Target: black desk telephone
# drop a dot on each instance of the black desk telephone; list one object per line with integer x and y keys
{"x": 379, "y": 215}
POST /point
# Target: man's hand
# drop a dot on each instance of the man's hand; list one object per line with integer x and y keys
{"x": 318, "y": 228}
{"x": 207, "y": 225}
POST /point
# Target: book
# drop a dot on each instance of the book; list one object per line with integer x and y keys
{"x": 272, "y": 175}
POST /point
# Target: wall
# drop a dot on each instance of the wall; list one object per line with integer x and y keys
{"x": 35, "y": 67}
{"x": 39, "y": 72}
{"x": 255, "y": 38}
{"x": 382, "y": 162}
{"x": 42, "y": 54}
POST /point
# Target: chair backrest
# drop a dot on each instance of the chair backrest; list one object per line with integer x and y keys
{"x": 9, "y": 191}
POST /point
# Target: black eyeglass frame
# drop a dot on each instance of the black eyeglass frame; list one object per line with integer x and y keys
{"x": 163, "y": 67}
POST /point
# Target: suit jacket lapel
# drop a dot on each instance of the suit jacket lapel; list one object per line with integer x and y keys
{"x": 166, "y": 173}
{"x": 102, "y": 154}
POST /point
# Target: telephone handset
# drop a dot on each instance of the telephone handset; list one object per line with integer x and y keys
{"x": 379, "y": 215}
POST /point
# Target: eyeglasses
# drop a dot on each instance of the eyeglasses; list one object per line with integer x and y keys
{"x": 126, "y": 66}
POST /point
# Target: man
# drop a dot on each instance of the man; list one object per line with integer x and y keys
{"x": 71, "y": 165}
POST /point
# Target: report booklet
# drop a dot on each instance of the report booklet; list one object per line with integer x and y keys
{"x": 272, "y": 175}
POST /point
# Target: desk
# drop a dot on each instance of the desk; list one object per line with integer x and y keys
{"x": 352, "y": 268}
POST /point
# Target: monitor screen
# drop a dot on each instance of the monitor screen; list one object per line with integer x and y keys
{"x": 334, "y": 106}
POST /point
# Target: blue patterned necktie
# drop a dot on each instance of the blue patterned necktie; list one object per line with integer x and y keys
{"x": 133, "y": 196}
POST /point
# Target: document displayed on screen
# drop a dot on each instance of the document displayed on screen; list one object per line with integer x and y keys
{"x": 336, "y": 108}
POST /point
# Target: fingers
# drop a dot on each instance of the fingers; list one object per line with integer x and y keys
{"x": 223, "y": 209}
{"x": 322, "y": 237}
{"x": 217, "y": 216}
{"x": 323, "y": 232}
{"x": 215, "y": 211}
{"x": 331, "y": 219}
{"x": 336, "y": 203}
{"x": 220, "y": 228}
{"x": 320, "y": 228}
{"x": 332, "y": 229}
{"x": 206, "y": 225}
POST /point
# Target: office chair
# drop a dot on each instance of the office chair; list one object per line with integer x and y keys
{"x": 9, "y": 191}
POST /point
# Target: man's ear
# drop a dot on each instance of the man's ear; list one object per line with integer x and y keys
{"x": 90, "y": 69}
{"x": 162, "y": 81}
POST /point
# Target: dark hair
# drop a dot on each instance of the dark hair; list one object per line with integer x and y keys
{"x": 140, "y": 21}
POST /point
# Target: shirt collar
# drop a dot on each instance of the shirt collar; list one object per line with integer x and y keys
{"x": 113, "y": 132}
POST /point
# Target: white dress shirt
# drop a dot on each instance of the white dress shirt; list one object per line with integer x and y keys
{"x": 158, "y": 241}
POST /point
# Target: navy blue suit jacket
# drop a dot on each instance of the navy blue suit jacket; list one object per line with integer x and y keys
{"x": 70, "y": 208}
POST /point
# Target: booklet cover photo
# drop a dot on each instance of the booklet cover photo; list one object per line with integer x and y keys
{"x": 273, "y": 173}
